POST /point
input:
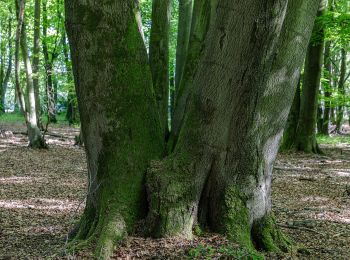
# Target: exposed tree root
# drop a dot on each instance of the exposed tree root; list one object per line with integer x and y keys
{"x": 268, "y": 237}
{"x": 104, "y": 235}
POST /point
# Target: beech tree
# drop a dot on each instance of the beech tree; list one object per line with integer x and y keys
{"x": 219, "y": 172}
{"x": 306, "y": 133}
{"x": 28, "y": 102}
{"x": 159, "y": 57}
{"x": 5, "y": 75}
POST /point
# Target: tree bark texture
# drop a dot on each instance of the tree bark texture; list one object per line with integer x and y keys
{"x": 290, "y": 131}
{"x": 220, "y": 171}
{"x": 203, "y": 13}
{"x": 28, "y": 105}
{"x": 49, "y": 60}
{"x": 159, "y": 58}
{"x": 183, "y": 35}
{"x": 341, "y": 91}
{"x": 119, "y": 117}
{"x": 328, "y": 90}
{"x": 36, "y": 139}
{"x": 306, "y": 134}
{"x": 36, "y": 59}
{"x": 219, "y": 174}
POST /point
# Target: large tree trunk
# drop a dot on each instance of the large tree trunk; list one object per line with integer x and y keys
{"x": 290, "y": 131}
{"x": 36, "y": 60}
{"x": 220, "y": 171}
{"x": 159, "y": 58}
{"x": 327, "y": 89}
{"x": 119, "y": 117}
{"x": 306, "y": 133}
{"x": 9, "y": 66}
{"x": 183, "y": 35}
{"x": 341, "y": 91}
{"x": 203, "y": 13}
{"x": 49, "y": 59}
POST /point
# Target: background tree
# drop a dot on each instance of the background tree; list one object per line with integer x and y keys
{"x": 306, "y": 132}
{"x": 159, "y": 57}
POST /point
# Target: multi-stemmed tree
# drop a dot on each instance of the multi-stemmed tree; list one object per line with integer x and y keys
{"x": 218, "y": 172}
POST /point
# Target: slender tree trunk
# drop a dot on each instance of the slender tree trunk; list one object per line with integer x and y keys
{"x": 20, "y": 5}
{"x": 36, "y": 139}
{"x": 203, "y": 13}
{"x": 220, "y": 171}
{"x": 50, "y": 92}
{"x": 290, "y": 131}
{"x": 72, "y": 109}
{"x": 36, "y": 54}
{"x": 9, "y": 66}
{"x": 341, "y": 91}
{"x": 320, "y": 117}
{"x": 159, "y": 58}
{"x": 306, "y": 134}
{"x": 183, "y": 35}
{"x": 120, "y": 122}
{"x": 328, "y": 89}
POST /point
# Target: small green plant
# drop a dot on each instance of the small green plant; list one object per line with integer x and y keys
{"x": 11, "y": 117}
{"x": 197, "y": 230}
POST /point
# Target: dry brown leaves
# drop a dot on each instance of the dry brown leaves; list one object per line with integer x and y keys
{"x": 42, "y": 195}
{"x": 311, "y": 203}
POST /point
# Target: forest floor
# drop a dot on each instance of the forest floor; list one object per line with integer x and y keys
{"x": 42, "y": 195}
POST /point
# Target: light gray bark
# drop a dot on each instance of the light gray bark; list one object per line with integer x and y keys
{"x": 36, "y": 60}
{"x": 36, "y": 140}
{"x": 243, "y": 90}
{"x": 203, "y": 13}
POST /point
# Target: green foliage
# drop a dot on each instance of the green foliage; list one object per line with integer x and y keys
{"x": 11, "y": 117}
{"x": 334, "y": 140}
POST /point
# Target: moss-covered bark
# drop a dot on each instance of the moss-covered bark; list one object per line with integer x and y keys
{"x": 203, "y": 13}
{"x": 219, "y": 174}
{"x": 159, "y": 58}
{"x": 120, "y": 123}
{"x": 184, "y": 29}
{"x": 306, "y": 133}
{"x": 290, "y": 131}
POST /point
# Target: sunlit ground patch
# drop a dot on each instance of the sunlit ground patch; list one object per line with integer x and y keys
{"x": 40, "y": 204}
{"x": 19, "y": 180}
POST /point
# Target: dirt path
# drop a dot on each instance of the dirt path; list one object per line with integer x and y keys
{"x": 42, "y": 194}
